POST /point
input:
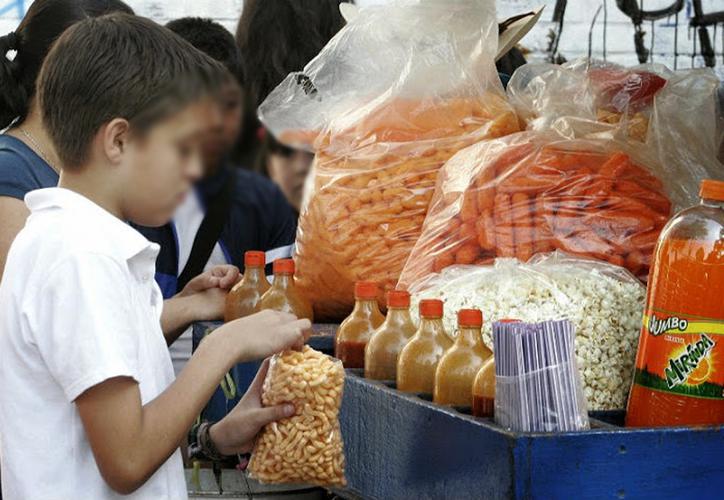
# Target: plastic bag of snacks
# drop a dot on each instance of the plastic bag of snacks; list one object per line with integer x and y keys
{"x": 535, "y": 192}
{"x": 306, "y": 448}
{"x": 385, "y": 104}
{"x": 604, "y": 303}
{"x": 673, "y": 113}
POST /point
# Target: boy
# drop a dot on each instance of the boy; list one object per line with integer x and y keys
{"x": 88, "y": 407}
{"x": 251, "y": 212}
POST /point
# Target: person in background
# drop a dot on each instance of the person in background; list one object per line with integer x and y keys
{"x": 230, "y": 210}
{"x": 275, "y": 39}
{"x": 28, "y": 159}
{"x": 89, "y": 403}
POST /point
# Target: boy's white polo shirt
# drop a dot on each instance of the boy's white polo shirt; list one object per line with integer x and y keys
{"x": 78, "y": 305}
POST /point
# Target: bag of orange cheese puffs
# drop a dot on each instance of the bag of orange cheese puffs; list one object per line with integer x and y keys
{"x": 385, "y": 104}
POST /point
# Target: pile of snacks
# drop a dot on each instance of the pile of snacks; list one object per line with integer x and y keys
{"x": 537, "y": 192}
{"x": 384, "y": 105}
{"x": 306, "y": 448}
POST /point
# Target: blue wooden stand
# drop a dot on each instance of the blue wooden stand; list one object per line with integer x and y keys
{"x": 400, "y": 446}
{"x": 243, "y": 374}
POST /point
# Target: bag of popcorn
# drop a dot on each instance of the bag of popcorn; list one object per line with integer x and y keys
{"x": 604, "y": 302}
{"x": 308, "y": 447}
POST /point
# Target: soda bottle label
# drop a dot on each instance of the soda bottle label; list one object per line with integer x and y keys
{"x": 682, "y": 354}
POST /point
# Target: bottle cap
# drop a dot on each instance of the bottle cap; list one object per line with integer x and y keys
{"x": 252, "y": 258}
{"x": 399, "y": 299}
{"x": 712, "y": 190}
{"x": 431, "y": 308}
{"x": 470, "y": 317}
{"x": 283, "y": 266}
{"x": 365, "y": 290}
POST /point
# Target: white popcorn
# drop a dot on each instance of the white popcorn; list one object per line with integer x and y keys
{"x": 604, "y": 302}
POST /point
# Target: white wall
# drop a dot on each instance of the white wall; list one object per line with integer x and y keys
{"x": 574, "y": 40}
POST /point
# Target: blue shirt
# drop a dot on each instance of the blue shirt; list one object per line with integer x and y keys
{"x": 22, "y": 170}
{"x": 260, "y": 218}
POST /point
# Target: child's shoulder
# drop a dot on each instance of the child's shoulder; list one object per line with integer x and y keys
{"x": 21, "y": 170}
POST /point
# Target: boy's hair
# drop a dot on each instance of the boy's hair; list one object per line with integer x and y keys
{"x": 45, "y": 21}
{"x": 212, "y": 39}
{"x": 118, "y": 66}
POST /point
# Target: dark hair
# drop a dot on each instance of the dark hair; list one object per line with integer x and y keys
{"x": 118, "y": 66}
{"x": 275, "y": 39}
{"x": 212, "y": 39}
{"x": 44, "y": 22}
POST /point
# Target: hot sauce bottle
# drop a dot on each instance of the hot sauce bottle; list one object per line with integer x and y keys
{"x": 355, "y": 331}
{"x": 418, "y": 360}
{"x": 245, "y": 297}
{"x": 389, "y": 339}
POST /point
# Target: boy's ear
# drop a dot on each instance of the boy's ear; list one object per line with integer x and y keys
{"x": 115, "y": 139}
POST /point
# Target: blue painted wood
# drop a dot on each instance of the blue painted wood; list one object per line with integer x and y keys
{"x": 243, "y": 373}
{"x": 401, "y": 446}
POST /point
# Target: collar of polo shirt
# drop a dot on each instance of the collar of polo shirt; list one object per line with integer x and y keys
{"x": 107, "y": 230}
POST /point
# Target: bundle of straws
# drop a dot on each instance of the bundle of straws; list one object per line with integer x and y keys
{"x": 537, "y": 383}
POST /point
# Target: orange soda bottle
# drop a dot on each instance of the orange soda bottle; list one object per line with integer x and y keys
{"x": 244, "y": 298}
{"x": 418, "y": 360}
{"x": 388, "y": 340}
{"x": 679, "y": 377}
{"x": 284, "y": 295}
{"x": 356, "y": 330}
{"x": 461, "y": 363}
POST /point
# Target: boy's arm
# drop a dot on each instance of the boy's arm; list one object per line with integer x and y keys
{"x": 130, "y": 441}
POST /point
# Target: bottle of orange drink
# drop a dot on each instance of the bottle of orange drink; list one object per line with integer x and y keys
{"x": 679, "y": 377}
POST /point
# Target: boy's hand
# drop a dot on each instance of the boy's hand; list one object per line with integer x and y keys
{"x": 237, "y": 431}
{"x": 223, "y": 277}
{"x": 265, "y": 333}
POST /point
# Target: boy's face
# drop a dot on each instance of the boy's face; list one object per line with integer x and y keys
{"x": 161, "y": 166}
{"x": 224, "y": 131}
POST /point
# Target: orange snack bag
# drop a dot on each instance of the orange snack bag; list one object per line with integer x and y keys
{"x": 591, "y": 198}
{"x": 384, "y": 106}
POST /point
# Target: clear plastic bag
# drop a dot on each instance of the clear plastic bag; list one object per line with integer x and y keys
{"x": 308, "y": 447}
{"x": 535, "y": 192}
{"x": 385, "y": 104}
{"x": 604, "y": 303}
{"x": 673, "y": 114}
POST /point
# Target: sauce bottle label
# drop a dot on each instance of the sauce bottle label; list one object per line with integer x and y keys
{"x": 682, "y": 355}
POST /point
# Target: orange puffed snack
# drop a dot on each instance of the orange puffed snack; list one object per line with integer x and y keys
{"x": 372, "y": 186}
{"x": 532, "y": 193}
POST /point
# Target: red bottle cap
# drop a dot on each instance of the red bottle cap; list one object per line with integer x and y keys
{"x": 470, "y": 317}
{"x": 712, "y": 190}
{"x": 283, "y": 266}
{"x": 431, "y": 308}
{"x": 399, "y": 299}
{"x": 366, "y": 290}
{"x": 252, "y": 258}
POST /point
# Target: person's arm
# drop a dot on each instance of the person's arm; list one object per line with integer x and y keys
{"x": 131, "y": 441}
{"x": 13, "y": 214}
{"x": 202, "y": 299}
